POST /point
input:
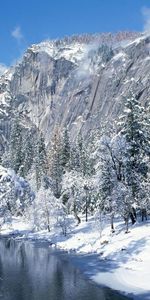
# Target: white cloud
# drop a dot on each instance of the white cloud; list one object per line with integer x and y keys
{"x": 17, "y": 34}
{"x": 146, "y": 16}
{"x": 88, "y": 63}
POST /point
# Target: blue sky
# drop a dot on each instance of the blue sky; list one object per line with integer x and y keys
{"x": 24, "y": 22}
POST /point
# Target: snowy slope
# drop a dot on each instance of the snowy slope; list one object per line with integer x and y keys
{"x": 127, "y": 255}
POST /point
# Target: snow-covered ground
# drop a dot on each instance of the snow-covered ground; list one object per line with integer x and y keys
{"x": 120, "y": 261}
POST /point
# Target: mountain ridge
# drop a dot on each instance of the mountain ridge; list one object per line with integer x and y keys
{"x": 75, "y": 84}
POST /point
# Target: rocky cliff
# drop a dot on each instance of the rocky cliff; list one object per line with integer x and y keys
{"x": 75, "y": 82}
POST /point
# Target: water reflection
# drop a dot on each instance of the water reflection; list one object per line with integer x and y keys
{"x": 33, "y": 272}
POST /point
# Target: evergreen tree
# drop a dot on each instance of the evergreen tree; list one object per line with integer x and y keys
{"x": 85, "y": 163}
{"x": 65, "y": 151}
{"x": 135, "y": 160}
{"x": 40, "y": 160}
{"x": 27, "y": 152}
{"x": 146, "y": 124}
{"x": 85, "y": 167}
{"x": 107, "y": 186}
{"x": 15, "y": 148}
{"x": 55, "y": 169}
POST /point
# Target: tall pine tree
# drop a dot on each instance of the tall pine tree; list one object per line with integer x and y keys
{"x": 135, "y": 161}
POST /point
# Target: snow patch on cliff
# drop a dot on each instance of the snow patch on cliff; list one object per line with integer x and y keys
{"x": 73, "y": 53}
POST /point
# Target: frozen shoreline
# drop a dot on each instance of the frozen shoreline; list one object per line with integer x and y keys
{"x": 119, "y": 261}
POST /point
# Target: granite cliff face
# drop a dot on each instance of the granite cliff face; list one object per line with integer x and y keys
{"x": 74, "y": 83}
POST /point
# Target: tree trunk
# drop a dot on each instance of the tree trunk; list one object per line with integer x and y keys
{"x": 75, "y": 214}
{"x": 86, "y": 203}
{"x": 144, "y": 214}
{"x": 77, "y": 218}
{"x": 127, "y": 224}
{"x": 48, "y": 219}
{"x": 133, "y": 216}
{"x": 86, "y": 211}
{"x": 112, "y": 223}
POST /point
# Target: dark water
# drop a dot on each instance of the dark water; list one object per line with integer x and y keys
{"x": 31, "y": 271}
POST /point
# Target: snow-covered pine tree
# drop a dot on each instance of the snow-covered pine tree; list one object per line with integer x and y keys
{"x": 65, "y": 149}
{"x": 74, "y": 158}
{"x": 15, "y": 145}
{"x": 86, "y": 170}
{"x": 120, "y": 194}
{"x": 28, "y": 149}
{"x": 40, "y": 160}
{"x": 107, "y": 185}
{"x": 75, "y": 154}
{"x": 132, "y": 127}
{"x": 55, "y": 169}
{"x": 146, "y": 124}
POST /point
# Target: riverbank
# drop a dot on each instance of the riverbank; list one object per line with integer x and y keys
{"x": 120, "y": 261}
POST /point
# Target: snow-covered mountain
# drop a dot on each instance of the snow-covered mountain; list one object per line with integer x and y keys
{"x": 79, "y": 82}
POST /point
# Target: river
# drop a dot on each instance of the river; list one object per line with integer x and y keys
{"x": 33, "y": 271}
